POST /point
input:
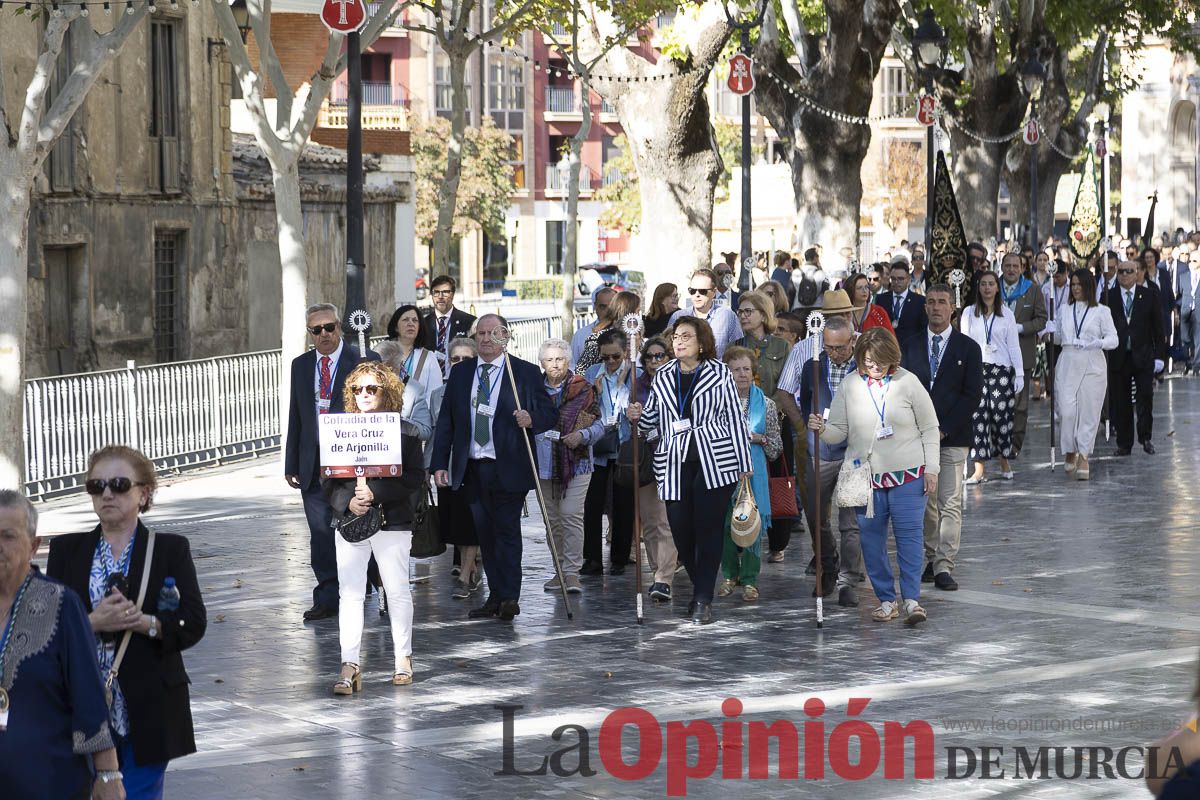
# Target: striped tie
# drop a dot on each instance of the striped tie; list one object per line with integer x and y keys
{"x": 483, "y": 433}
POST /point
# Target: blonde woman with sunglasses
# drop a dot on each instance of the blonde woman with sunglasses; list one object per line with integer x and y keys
{"x": 372, "y": 388}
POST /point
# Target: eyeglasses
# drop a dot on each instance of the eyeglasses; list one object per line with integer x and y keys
{"x": 745, "y": 312}
{"x": 841, "y": 348}
{"x": 694, "y": 290}
{"x": 96, "y": 486}
{"x": 370, "y": 389}
{"x": 656, "y": 356}
{"x": 612, "y": 357}
{"x": 682, "y": 337}
{"x": 456, "y": 359}
{"x": 443, "y": 293}
{"x": 328, "y": 327}
{"x": 1126, "y": 271}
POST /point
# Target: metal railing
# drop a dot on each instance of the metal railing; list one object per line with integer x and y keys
{"x": 611, "y": 175}
{"x": 374, "y": 8}
{"x": 607, "y": 107}
{"x": 374, "y": 93}
{"x": 182, "y": 414}
{"x": 555, "y": 183}
{"x": 561, "y": 100}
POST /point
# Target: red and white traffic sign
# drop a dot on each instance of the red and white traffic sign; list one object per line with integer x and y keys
{"x": 926, "y": 108}
{"x": 1032, "y": 133}
{"x": 344, "y": 16}
{"x": 741, "y": 74}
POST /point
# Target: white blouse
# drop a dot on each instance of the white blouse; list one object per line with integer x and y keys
{"x": 1083, "y": 327}
{"x": 997, "y": 337}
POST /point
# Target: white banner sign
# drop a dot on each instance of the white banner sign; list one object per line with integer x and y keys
{"x": 360, "y": 445}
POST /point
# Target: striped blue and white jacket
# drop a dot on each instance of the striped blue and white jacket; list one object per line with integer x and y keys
{"x": 720, "y": 431}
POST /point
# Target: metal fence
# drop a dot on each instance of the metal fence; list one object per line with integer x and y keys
{"x": 182, "y": 415}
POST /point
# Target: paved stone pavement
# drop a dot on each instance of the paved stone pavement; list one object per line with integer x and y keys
{"x": 1075, "y": 626}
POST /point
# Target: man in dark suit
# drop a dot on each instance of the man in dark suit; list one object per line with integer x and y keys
{"x": 318, "y": 378}
{"x": 478, "y": 448}
{"x": 446, "y": 323}
{"x": 905, "y": 307}
{"x": 1141, "y": 352}
{"x": 950, "y": 367}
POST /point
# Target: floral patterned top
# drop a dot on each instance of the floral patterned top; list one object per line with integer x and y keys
{"x": 104, "y": 564}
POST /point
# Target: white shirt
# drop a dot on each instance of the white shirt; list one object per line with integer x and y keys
{"x": 1004, "y": 347}
{"x": 333, "y": 362}
{"x": 941, "y": 351}
{"x": 898, "y": 301}
{"x": 495, "y": 378}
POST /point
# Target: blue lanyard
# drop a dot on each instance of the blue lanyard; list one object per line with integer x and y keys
{"x": 1079, "y": 322}
{"x": 987, "y": 327}
{"x": 608, "y": 395}
{"x": 491, "y": 389}
{"x": 880, "y": 410}
{"x": 123, "y": 563}
{"x": 679, "y": 395}
{"x": 849, "y": 365}
{"x": 408, "y": 362}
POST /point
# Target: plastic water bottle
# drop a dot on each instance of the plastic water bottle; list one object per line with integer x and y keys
{"x": 168, "y": 596}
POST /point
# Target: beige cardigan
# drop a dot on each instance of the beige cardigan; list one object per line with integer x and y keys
{"x": 909, "y": 411}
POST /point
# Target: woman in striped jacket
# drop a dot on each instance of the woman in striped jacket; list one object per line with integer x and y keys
{"x": 703, "y": 451}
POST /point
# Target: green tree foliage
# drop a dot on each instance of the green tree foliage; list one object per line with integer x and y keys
{"x": 486, "y": 184}
{"x": 623, "y": 203}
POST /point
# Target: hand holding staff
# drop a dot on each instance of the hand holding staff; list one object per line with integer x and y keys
{"x": 816, "y": 327}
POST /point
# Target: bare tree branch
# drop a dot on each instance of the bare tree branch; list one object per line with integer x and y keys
{"x": 248, "y": 79}
{"x": 797, "y": 31}
{"x": 503, "y": 28}
{"x": 318, "y": 88}
{"x": 268, "y": 61}
{"x": 1092, "y": 80}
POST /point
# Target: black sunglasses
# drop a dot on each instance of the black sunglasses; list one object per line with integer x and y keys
{"x": 1126, "y": 271}
{"x": 693, "y": 290}
{"x": 328, "y": 327}
{"x": 370, "y": 389}
{"x": 656, "y": 356}
{"x": 96, "y": 486}
{"x": 612, "y": 357}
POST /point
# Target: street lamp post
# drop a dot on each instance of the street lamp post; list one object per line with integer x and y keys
{"x": 564, "y": 180}
{"x": 1033, "y": 74}
{"x": 929, "y": 52}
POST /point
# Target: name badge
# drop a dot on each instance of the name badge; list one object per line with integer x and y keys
{"x": 681, "y": 426}
{"x": 825, "y": 415}
{"x": 991, "y": 348}
{"x": 487, "y": 411}
{"x": 884, "y": 433}
{"x": 610, "y": 421}
{"x": 323, "y": 405}
{"x": 553, "y": 436}
{"x": 4, "y": 718}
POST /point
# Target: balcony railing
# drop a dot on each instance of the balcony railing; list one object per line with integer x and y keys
{"x": 374, "y": 93}
{"x": 380, "y": 118}
{"x": 554, "y": 181}
{"x": 664, "y": 19}
{"x": 374, "y": 8}
{"x": 607, "y": 107}
{"x": 611, "y": 175}
{"x": 561, "y": 100}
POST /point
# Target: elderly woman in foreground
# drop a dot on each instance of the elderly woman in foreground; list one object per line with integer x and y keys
{"x": 51, "y": 697}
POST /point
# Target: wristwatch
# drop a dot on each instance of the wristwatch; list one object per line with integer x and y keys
{"x": 153, "y": 632}
{"x": 109, "y": 775}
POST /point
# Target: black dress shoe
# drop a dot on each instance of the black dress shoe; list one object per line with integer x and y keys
{"x": 1148, "y": 447}
{"x": 943, "y": 580}
{"x": 1121, "y": 451}
{"x": 616, "y": 569}
{"x": 847, "y": 597}
{"x": 490, "y": 608}
{"x": 592, "y": 568}
{"x": 691, "y": 607}
{"x": 927, "y": 575}
{"x": 508, "y": 609}
{"x": 828, "y": 584}
{"x": 702, "y": 615}
{"x": 319, "y": 611}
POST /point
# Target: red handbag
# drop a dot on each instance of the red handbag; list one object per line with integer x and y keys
{"x": 783, "y": 490}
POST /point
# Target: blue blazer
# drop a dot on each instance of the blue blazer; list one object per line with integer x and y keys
{"x": 959, "y": 386}
{"x": 452, "y": 440}
{"x": 911, "y": 319}
{"x": 302, "y": 451}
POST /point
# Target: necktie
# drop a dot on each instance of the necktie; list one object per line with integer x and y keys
{"x": 443, "y": 323}
{"x": 935, "y": 356}
{"x": 1128, "y": 303}
{"x": 483, "y": 433}
{"x": 326, "y": 381}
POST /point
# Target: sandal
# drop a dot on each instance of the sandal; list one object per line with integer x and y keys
{"x": 726, "y": 587}
{"x": 887, "y": 611}
{"x": 349, "y": 684}
{"x": 916, "y": 615}
{"x": 402, "y": 676}
{"x": 750, "y": 594}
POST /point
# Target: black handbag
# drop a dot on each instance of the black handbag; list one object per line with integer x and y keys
{"x": 426, "y": 538}
{"x": 624, "y": 474}
{"x": 356, "y": 528}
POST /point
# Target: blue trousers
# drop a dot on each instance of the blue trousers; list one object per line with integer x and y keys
{"x": 497, "y": 516}
{"x": 321, "y": 550}
{"x": 904, "y": 506}
{"x": 142, "y": 781}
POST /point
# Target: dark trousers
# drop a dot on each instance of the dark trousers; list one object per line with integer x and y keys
{"x": 698, "y": 528}
{"x": 321, "y": 553}
{"x": 497, "y": 516}
{"x": 621, "y": 518}
{"x": 1121, "y": 407}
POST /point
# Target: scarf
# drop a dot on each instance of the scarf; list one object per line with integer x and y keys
{"x": 1016, "y": 294}
{"x": 576, "y": 399}
{"x": 760, "y": 481}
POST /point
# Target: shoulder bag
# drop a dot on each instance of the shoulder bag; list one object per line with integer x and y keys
{"x": 745, "y": 523}
{"x": 854, "y": 484}
{"x": 111, "y": 678}
{"x": 783, "y": 491}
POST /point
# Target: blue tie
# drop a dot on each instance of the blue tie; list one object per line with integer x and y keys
{"x": 935, "y": 356}
{"x": 896, "y": 302}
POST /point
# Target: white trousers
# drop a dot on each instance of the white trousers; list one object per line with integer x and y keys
{"x": 391, "y": 549}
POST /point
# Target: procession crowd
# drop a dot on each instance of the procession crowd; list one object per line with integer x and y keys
{"x": 705, "y": 431}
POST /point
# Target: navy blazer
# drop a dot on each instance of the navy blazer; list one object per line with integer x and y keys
{"x": 1144, "y": 329}
{"x": 302, "y": 452}
{"x": 452, "y": 440}
{"x": 959, "y": 386}
{"x": 911, "y": 320}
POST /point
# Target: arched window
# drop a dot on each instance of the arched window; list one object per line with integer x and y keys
{"x": 1183, "y": 164}
{"x": 1183, "y": 130}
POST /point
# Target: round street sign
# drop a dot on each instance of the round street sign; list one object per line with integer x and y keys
{"x": 1032, "y": 134}
{"x": 343, "y": 16}
{"x": 925, "y": 110}
{"x": 741, "y": 74}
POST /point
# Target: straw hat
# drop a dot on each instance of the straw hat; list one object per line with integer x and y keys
{"x": 836, "y": 301}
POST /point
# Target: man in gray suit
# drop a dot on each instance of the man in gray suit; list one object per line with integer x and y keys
{"x": 1024, "y": 300}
